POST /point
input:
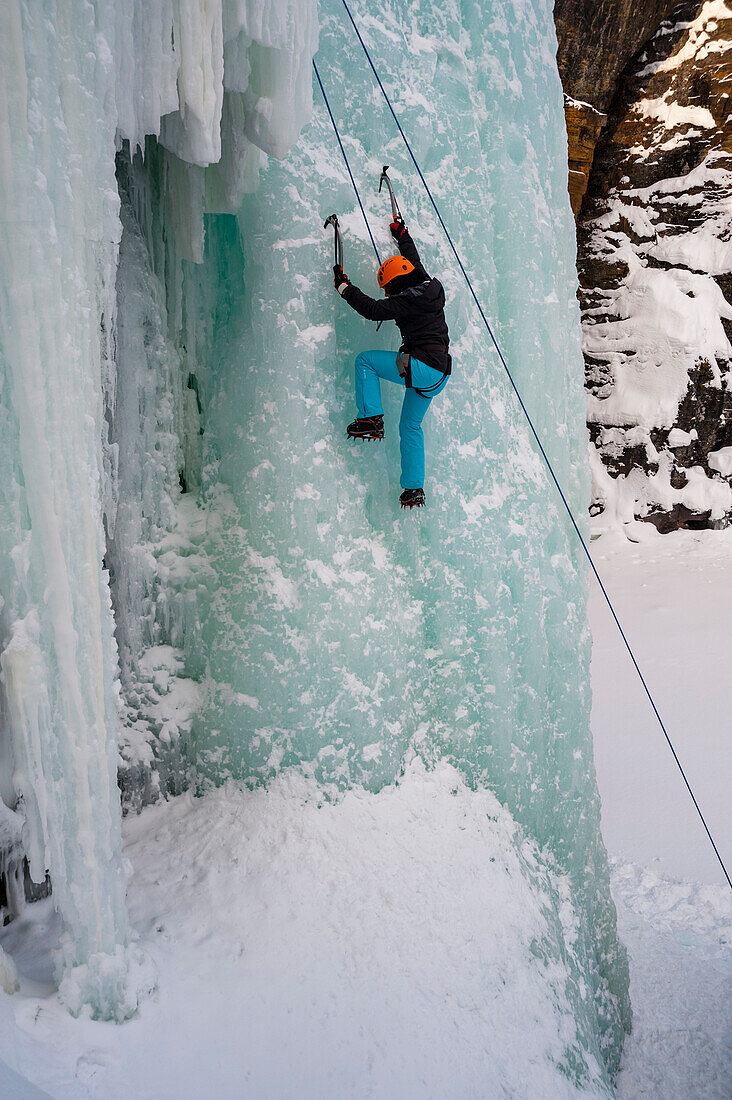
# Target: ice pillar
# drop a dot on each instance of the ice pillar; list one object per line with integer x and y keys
{"x": 58, "y": 249}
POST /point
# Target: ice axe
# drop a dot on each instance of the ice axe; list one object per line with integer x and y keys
{"x": 395, "y": 211}
{"x": 337, "y": 239}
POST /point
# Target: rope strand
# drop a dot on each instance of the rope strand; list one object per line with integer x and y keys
{"x": 343, "y": 151}
{"x": 538, "y": 441}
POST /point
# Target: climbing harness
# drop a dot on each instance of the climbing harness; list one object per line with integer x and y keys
{"x": 404, "y": 366}
{"x": 534, "y": 433}
{"x": 428, "y": 391}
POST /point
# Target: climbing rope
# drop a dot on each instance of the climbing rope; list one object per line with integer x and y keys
{"x": 525, "y": 411}
{"x": 345, "y": 158}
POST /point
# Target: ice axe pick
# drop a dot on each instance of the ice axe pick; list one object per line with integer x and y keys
{"x": 384, "y": 178}
{"x": 337, "y": 239}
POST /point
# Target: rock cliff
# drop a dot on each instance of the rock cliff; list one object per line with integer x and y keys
{"x": 596, "y": 39}
{"x": 654, "y": 254}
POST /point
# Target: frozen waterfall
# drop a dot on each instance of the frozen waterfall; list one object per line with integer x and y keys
{"x": 196, "y": 571}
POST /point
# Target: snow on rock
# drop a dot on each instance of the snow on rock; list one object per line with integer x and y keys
{"x": 654, "y": 259}
{"x": 674, "y": 115}
{"x": 721, "y": 461}
{"x": 596, "y": 42}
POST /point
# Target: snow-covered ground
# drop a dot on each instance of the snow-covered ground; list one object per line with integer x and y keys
{"x": 239, "y": 1004}
{"x": 384, "y": 946}
{"x": 673, "y": 594}
{"x": 679, "y": 938}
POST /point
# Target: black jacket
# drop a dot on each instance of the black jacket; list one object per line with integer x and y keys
{"x": 418, "y": 311}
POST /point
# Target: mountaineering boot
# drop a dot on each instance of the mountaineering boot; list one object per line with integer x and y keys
{"x": 412, "y": 498}
{"x": 366, "y": 427}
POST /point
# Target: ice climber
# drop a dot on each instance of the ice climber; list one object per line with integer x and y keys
{"x": 422, "y": 365}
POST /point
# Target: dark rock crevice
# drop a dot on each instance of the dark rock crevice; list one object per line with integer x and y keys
{"x": 596, "y": 40}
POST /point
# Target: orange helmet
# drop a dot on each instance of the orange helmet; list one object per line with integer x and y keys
{"x": 392, "y": 268}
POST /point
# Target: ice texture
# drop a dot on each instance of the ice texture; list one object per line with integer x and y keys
{"x": 75, "y": 82}
{"x": 273, "y": 608}
{"x": 58, "y": 250}
{"x": 482, "y": 654}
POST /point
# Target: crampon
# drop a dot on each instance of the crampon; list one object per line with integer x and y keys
{"x": 366, "y": 427}
{"x": 412, "y": 498}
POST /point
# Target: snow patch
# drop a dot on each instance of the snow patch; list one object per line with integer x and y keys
{"x": 673, "y": 114}
{"x": 721, "y": 461}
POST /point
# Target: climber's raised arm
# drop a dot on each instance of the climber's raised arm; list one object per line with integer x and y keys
{"x": 407, "y": 247}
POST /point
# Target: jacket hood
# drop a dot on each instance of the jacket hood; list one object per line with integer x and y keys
{"x": 429, "y": 291}
{"x": 433, "y": 292}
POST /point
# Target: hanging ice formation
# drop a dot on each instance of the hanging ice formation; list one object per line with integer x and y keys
{"x": 194, "y": 566}
{"x": 91, "y": 409}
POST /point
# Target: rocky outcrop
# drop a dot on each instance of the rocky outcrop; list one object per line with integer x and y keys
{"x": 647, "y": 101}
{"x": 597, "y": 39}
{"x": 654, "y": 259}
{"x": 584, "y": 124}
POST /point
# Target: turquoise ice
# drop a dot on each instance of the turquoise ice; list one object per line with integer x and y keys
{"x": 273, "y": 607}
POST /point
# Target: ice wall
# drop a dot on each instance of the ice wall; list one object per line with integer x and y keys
{"x": 343, "y": 635}
{"x": 75, "y": 81}
{"x": 57, "y": 261}
{"x": 272, "y": 606}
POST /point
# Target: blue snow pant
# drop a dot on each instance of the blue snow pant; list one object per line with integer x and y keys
{"x": 374, "y": 365}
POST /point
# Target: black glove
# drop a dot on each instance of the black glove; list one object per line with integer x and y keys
{"x": 340, "y": 279}
{"x": 398, "y": 227}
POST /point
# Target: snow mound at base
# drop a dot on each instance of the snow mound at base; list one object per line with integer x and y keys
{"x": 392, "y": 944}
